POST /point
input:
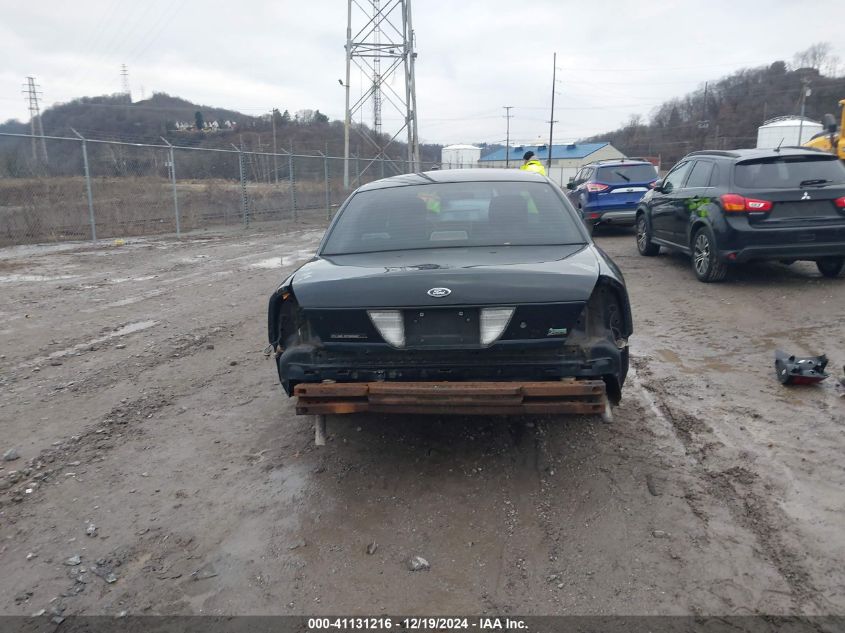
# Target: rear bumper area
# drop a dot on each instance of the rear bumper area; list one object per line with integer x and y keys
{"x": 312, "y": 364}
{"x": 625, "y": 216}
{"x": 809, "y": 250}
{"x": 451, "y": 398}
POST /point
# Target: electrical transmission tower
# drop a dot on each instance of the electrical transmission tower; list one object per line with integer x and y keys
{"x": 124, "y": 79}
{"x": 379, "y": 30}
{"x": 32, "y": 91}
{"x": 377, "y": 71}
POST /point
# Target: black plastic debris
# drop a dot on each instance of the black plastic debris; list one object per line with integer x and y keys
{"x": 794, "y": 370}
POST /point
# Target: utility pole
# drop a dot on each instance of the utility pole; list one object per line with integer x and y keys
{"x": 262, "y": 171}
{"x": 552, "y": 118}
{"x": 805, "y": 92}
{"x": 704, "y": 122}
{"x": 275, "y": 162}
{"x": 124, "y": 78}
{"x": 32, "y": 90}
{"x": 508, "y": 116}
{"x": 411, "y": 88}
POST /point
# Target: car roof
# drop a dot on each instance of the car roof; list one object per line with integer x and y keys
{"x": 751, "y": 153}
{"x": 455, "y": 175}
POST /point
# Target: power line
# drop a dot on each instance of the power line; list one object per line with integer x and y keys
{"x": 154, "y": 32}
{"x": 118, "y": 34}
{"x": 665, "y": 68}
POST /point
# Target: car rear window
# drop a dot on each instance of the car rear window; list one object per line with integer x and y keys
{"x": 620, "y": 174}
{"x": 453, "y": 215}
{"x": 788, "y": 172}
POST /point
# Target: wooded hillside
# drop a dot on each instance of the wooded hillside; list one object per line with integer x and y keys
{"x": 111, "y": 117}
{"x": 725, "y": 114}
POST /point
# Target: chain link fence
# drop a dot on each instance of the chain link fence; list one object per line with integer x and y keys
{"x": 72, "y": 188}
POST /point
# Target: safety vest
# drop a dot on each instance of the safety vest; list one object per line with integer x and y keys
{"x": 529, "y": 202}
{"x": 432, "y": 201}
{"x": 535, "y": 166}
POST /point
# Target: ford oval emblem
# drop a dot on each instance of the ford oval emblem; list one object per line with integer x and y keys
{"x": 439, "y": 292}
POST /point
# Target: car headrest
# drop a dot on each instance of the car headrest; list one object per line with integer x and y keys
{"x": 507, "y": 209}
{"x": 410, "y": 215}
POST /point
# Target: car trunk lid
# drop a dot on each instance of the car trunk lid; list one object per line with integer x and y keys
{"x": 802, "y": 188}
{"x": 799, "y": 207}
{"x": 475, "y": 276}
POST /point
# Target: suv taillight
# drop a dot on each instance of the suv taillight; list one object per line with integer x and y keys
{"x": 595, "y": 187}
{"x": 735, "y": 203}
{"x": 840, "y": 202}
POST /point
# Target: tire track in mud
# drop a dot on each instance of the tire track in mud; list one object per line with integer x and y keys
{"x": 734, "y": 488}
{"x": 127, "y": 414}
{"x": 520, "y": 568}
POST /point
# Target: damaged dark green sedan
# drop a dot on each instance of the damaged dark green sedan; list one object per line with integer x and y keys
{"x": 465, "y": 291}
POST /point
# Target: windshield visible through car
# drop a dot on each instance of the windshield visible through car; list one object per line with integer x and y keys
{"x": 789, "y": 172}
{"x": 621, "y": 174}
{"x": 453, "y": 214}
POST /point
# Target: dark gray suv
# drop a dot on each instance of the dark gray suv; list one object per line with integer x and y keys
{"x": 730, "y": 207}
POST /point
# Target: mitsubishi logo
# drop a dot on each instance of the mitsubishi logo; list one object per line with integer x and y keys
{"x": 806, "y": 196}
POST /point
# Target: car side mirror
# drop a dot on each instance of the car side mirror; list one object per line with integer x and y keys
{"x": 829, "y": 123}
{"x": 570, "y": 185}
{"x": 658, "y": 185}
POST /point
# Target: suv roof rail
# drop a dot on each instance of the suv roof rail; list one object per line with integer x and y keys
{"x": 714, "y": 152}
{"x": 753, "y": 152}
{"x": 812, "y": 149}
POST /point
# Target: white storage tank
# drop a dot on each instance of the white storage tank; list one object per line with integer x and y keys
{"x": 785, "y": 131}
{"x": 459, "y": 156}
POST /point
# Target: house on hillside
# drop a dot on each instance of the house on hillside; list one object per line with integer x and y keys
{"x": 566, "y": 159}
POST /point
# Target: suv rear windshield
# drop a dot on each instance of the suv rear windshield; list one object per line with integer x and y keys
{"x": 789, "y": 172}
{"x": 620, "y": 174}
{"x": 453, "y": 215}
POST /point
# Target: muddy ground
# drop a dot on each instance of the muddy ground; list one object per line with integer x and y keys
{"x": 134, "y": 389}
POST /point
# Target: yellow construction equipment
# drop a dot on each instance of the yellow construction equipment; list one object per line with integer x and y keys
{"x": 833, "y": 138}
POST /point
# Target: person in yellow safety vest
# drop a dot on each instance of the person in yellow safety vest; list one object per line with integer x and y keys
{"x": 432, "y": 201}
{"x": 532, "y": 164}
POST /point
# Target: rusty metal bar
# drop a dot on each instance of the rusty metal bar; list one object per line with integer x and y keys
{"x": 443, "y": 398}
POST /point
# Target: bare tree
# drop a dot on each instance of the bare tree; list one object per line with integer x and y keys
{"x": 816, "y": 56}
{"x": 831, "y": 68}
{"x": 634, "y": 121}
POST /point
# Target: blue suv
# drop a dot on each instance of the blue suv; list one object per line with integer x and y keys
{"x": 608, "y": 191}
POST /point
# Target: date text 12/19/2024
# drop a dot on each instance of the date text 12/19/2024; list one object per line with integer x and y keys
{"x": 416, "y": 623}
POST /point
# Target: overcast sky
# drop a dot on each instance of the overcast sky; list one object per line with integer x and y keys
{"x": 615, "y": 57}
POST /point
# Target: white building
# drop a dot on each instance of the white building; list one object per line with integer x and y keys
{"x": 459, "y": 156}
{"x": 786, "y": 131}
